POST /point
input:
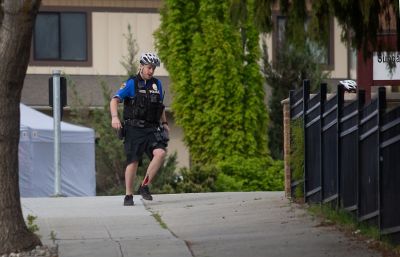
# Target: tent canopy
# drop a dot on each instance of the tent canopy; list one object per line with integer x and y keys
{"x": 36, "y": 156}
{"x": 44, "y": 124}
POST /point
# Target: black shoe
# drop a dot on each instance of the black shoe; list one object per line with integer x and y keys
{"x": 128, "y": 200}
{"x": 145, "y": 193}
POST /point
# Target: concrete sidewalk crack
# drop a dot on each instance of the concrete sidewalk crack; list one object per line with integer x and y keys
{"x": 157, "y": 217}
{"x": 115, "y": 241}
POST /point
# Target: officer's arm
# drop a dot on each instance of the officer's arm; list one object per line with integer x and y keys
{"x": 164, "y": 120}
{"x": 115, "y": 122}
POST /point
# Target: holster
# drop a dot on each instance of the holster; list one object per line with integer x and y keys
{"x": 161, "y": 135}
{"x": 121, "y": 132}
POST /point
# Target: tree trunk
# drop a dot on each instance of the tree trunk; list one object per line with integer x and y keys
{"x": 16, "y": 23}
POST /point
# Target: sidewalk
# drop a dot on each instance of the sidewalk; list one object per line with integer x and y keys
{"x": 102, "y": 227}
{"x": 253, "y": 224}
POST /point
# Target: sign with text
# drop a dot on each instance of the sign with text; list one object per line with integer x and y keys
{"x": 381, "y": 70}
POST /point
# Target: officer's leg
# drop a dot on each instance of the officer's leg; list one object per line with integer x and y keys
{"x": 155, "y": 164}
{"x": 130, "y": 174}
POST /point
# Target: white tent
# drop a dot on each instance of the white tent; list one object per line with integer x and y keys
{"x": 36, "y": 157}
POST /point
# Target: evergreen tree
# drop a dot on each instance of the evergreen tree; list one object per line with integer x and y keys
{"x": 361, "y": 20}
{"x": 173, "y": 40}
{"x": 129, "y": 61}
{"x": 217, "y": 85}
{"x": 292, "y": 67}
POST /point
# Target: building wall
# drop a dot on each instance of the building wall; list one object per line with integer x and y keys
{"x": 340, "y": 68}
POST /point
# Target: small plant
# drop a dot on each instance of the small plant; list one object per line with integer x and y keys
{"x": 340, "y": 216}
{"x": 348, "y": 222}
{"x": 159, "y": 220}
{"x": 32, "y": 227}
{"x": 53, "y": 236}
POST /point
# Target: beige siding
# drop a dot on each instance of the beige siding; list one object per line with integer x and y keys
{"x": 176, "y": 144}
{"x": 109, "y": 44}
{"x": 340, "y": 55}
{"x": 105, "y": 3}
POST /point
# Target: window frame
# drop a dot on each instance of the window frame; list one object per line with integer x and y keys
{"x": 89, "y": 48}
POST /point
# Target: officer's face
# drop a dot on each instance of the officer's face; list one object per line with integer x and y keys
{"x": 147, "y": 71}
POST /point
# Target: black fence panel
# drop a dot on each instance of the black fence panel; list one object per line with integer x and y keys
{"x": 312, "y": 147}
{"x": 369, "y": 165}
{"x": 348, "y": 150}
{"x": 390, "y": 174}
{"x": 351, "y": 155}
{"x": 329, "y": 148}
{"x": 296, "y": 103}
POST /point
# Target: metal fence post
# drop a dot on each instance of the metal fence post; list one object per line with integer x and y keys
{"x": 57, "y": 132}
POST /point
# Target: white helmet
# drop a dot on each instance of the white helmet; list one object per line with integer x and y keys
{"x": 349, "y": 85}
{"x": 150, "y": 58}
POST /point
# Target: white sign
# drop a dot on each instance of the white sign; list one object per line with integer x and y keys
{"x": 381, "y": 69}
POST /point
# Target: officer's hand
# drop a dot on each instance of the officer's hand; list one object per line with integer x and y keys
{"x": 116, "y": 123}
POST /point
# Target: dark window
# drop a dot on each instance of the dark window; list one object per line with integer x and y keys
{"x": 281, "y": 22}
{"x": 60, "y": 37}
{"x": 324, "y": 53}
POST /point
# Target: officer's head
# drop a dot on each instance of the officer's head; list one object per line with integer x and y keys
{"x": 148, "y": 63}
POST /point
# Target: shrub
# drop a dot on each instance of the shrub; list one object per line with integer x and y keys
{"x": 196, "y": 180}
{"x": 297, "y": 156}
{"x": 250, "y": 174}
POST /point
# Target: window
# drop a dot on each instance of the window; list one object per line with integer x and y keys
{"x": 60, "y": 36}
{"x": 324, "y": 54}
{"x": 280, "y": 39}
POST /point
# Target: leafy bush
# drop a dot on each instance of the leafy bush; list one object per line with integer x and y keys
{"x": 297, "y": 156}
{"x": 234, "y": 174}
{"x": 196, "y": 180}
{"x": 250, "y": 174}
{"x": 219, "y": 103}
{"x": 226, "y": 183}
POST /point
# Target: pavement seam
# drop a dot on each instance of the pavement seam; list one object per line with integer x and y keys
{"x": 187, "y": 243}
{"x": 115, "y": 241}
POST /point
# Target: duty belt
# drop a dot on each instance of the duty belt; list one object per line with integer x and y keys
{"x": 141, "y": 123}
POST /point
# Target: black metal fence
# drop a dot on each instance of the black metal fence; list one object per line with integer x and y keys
{"x": 351, "y": 154}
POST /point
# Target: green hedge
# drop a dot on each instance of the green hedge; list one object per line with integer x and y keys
{"x": 250, "y": 174}
{"x": 297, "y": 155}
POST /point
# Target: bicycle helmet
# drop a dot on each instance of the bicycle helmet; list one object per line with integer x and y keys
{"x": 149, "y": 58}
{"x": 349, "y": 85}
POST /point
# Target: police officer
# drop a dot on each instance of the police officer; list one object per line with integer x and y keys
{"x": 144, "y": 124}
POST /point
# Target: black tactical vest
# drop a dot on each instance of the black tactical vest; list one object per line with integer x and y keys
{"x": 146, "y": 105}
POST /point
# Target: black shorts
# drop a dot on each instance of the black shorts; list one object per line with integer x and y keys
{"x": 139, "y": 141}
